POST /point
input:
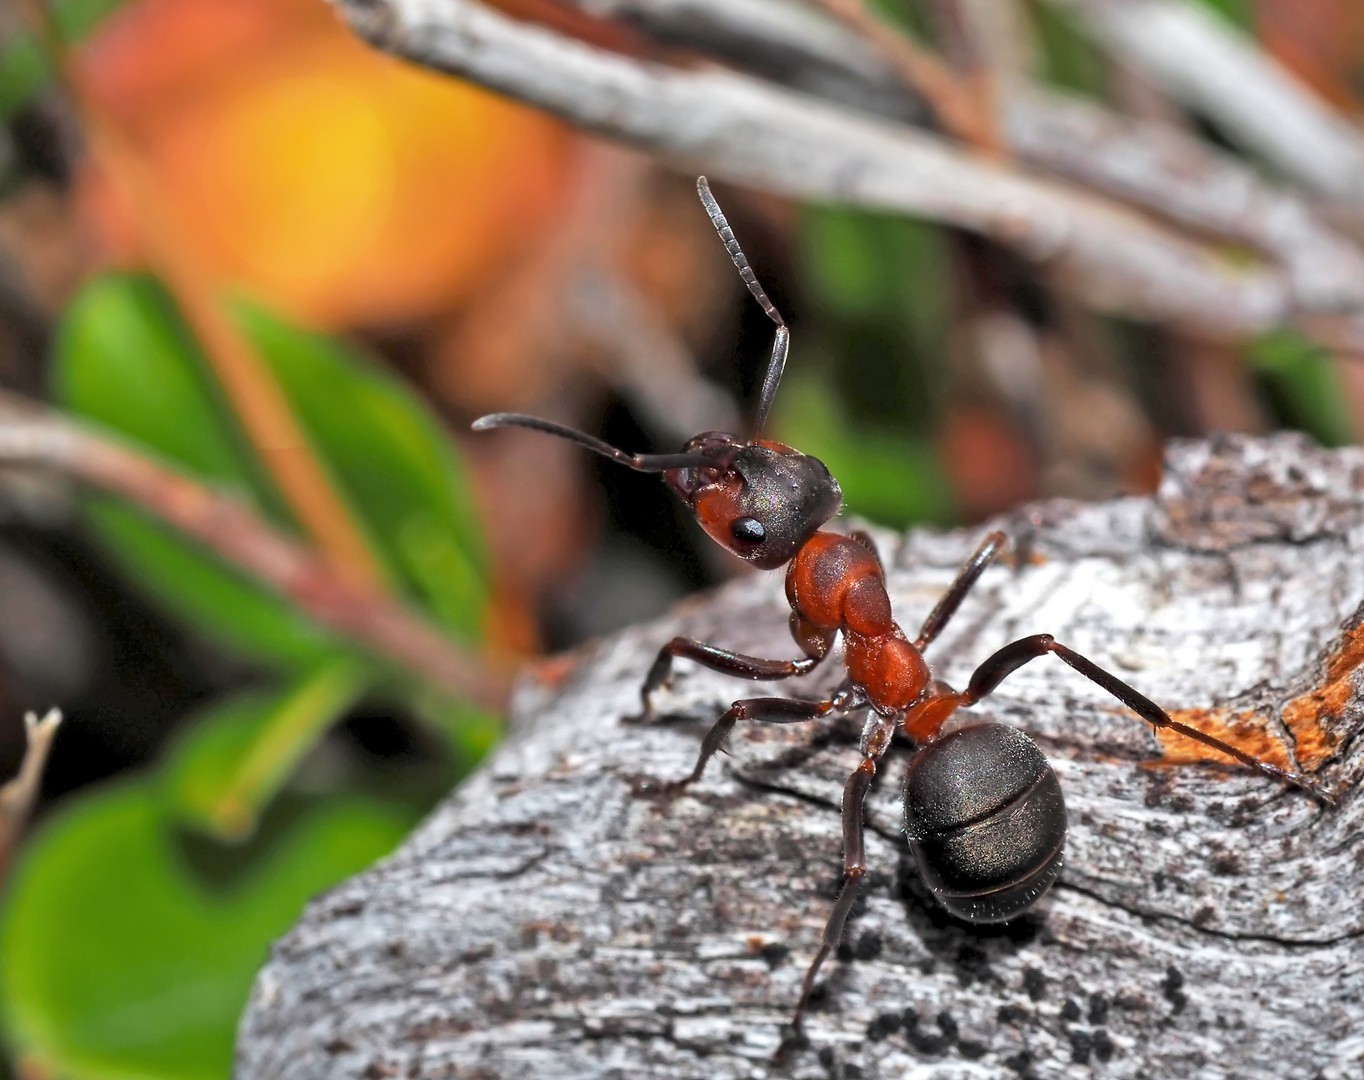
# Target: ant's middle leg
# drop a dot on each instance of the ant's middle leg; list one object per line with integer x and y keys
{"x": 1014, "y": 655}
{"x": 815, "y": 644}
{"x": 956, "y": 593}
{"x": 763, "y": 710}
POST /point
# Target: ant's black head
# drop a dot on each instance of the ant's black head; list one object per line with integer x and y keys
{"x": 761, "y": 500}
{"x": 758, "y": 498}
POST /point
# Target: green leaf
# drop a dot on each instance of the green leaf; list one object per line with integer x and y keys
{"x": 888, "y": 478}
{"x": 1300, "y": 380}
{"x": 125, "y": 360}
{"x": 395, "y": 462}
{"x": 118, "y": 963}
{"x": 231, "y": 760}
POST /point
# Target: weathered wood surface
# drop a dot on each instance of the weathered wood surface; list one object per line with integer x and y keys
{"x": 545, "y": 923}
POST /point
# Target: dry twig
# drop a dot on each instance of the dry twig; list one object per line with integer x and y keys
{"x": 1154, "y": 166}
{"x": 18, "y": 795}
{"x": 30, "y": 435}
{"x": 1202, "y": 62}
{"x": 754, "y": 133}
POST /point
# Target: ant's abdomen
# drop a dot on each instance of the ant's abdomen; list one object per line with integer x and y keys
{"x": 986, "y": 821}
{"x": 834, "y": 583}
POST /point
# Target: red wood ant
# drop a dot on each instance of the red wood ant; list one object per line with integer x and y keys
{"x": 984, "y": 813}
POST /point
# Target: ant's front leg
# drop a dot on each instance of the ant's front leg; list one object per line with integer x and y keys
{"x": 815, "y": 644}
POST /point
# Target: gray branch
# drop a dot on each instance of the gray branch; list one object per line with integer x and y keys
{"x": 753, "y": 132}
{"x": 1147, "y": 164}
{"x": 544, "y": 922}
{"x": 1207, "y": 65}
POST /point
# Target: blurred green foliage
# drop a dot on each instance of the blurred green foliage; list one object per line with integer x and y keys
{"x": 121, "y": 961}
{"x": 119, "y": 955}
{"x": 1300, "y": 380}
{"x": 879, "y": 297}
{"x": 24, "y": 70}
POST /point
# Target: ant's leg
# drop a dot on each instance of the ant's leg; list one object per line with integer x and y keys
{"x": 951, "y": 600}
{"x": 1014, "y": 655}
{"x": 770, "y": 710}
{"x": 731, "y": 663}
{"x": 854, "y": 869}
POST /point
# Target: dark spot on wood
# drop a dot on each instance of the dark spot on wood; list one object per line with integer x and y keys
{"x": 1228, "y": 865}
{"x": 1204, "y": 915}
{"x": 1172, "y": 987}
{"x": 773, "y": 953}
{"x": 1081, "y": 1045}
{"x": 868, "y": 946}
{"x": 1098, "y": 1010}
{"x": 341, "y": 911}
{"x": 1103, "y": 1046}
{"x": 1158, "y": 881}
{"x": 1012, "y": 1014}
{"x": 925, "y": 1042}
{"x": 1158, "y": 786}
{"x": 1070, "y": 1010}
{"x": 972, "y": 964}
{"x": 1019, "y": 1062}
{"x": 971, "y": 1050}
{"x": 1035, "y": 983}
{"x": 337, "y": 1046}
{"x": 883, "y": 1025}
{"x": 396, "y": 947}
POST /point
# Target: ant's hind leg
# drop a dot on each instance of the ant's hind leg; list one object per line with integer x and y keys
{"x": 1014, "y": 655}
{"x": 722, "y": 660}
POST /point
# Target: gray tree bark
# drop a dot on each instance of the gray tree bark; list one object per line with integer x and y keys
{"x": 545, "y": 923}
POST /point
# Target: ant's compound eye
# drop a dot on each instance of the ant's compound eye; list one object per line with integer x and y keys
{"x": 748, "y": 530}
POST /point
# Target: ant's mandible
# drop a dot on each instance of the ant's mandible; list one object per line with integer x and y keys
{"x": 984, "y": 813}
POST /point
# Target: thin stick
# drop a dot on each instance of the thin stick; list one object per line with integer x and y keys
{"x": 18, "y": 796}
{"x": 961, "y": 106}
{"x": 752, "y": 132}
{"x": 32, "y": 435}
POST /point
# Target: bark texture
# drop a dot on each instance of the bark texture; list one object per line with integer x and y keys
{"x": 545, "y": 923}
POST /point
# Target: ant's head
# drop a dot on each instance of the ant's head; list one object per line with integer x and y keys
{"x": 757, "y": 498}
{"x": 761, "y": 500}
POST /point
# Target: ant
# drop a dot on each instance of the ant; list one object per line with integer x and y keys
{"x": 983, "y": 810}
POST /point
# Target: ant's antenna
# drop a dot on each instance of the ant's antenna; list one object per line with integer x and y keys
{"x": 650, "y": 463}
{"x": 782, "y": 343}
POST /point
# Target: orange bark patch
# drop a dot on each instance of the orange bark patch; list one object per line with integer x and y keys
{"x": 1305, "y": 715}
{"x": 1243, "y": 730}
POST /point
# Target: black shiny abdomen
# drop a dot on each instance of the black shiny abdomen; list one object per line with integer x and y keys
{"x": 986, "y": 821}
